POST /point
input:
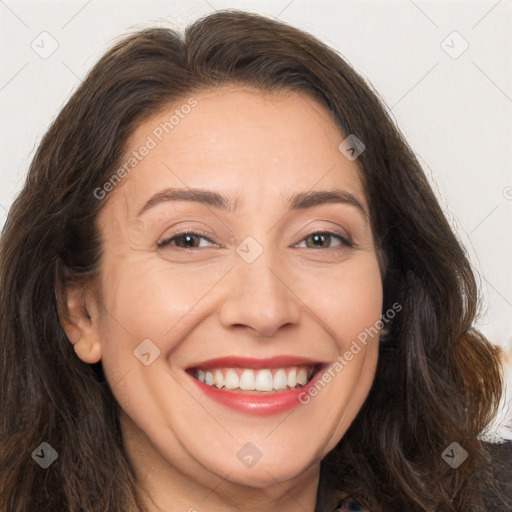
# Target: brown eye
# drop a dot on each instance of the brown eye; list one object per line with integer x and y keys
{"x": 325, "y": 240}
{"x": 187, "y": 240}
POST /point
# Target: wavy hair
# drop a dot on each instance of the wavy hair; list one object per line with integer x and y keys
{"x": 438, "y": 379}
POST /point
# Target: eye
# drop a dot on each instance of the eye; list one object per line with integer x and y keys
{"x": 323, "y": 239}
{"x": 185, "y": 240}
{"x": 319, "y": 240}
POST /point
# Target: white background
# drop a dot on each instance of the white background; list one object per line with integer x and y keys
{"x": 455, "y": 112}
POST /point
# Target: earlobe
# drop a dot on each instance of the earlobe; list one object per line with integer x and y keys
{"x": 80, "y": 324}
{"x": 88, "y": 352}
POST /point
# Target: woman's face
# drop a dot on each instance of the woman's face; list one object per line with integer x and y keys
{"x": 233, "y": 287}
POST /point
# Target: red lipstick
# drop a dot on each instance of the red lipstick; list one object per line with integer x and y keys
{"x": 257, "y": 403}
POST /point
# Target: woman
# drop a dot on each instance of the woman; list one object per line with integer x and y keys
{"x": 227, "y": 285}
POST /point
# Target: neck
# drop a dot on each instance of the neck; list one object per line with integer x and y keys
{"x": 163, "y": 486}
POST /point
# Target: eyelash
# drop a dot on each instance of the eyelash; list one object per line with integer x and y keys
{"x": 344, "y": 242}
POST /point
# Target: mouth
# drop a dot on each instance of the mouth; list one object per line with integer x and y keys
{"x": 248, "y": 380}
{"x": 256, "y": 386}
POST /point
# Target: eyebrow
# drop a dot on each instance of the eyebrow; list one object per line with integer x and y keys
{"x": 299, "y": 201}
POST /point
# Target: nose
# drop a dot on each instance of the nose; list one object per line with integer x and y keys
{"x": 260, "y": 296}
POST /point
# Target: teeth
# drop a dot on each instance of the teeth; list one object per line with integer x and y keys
{"x": 264, "y": 381}
{"x": 256, "y": 380}
{"x": 218, "y": 379}
{"x": 292, "y": 378}
{"x": 302, "y": 376}
{"x": 231, "y": 381}
{"x": 280, "y": 380}
{"x": 247, "y": 380}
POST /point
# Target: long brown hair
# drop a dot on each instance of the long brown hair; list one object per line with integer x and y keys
{"x": 438, "y": 380}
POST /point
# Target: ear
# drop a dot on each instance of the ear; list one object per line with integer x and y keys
{"x": 79, "y": 319}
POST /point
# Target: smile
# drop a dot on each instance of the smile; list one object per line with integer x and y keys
{"x": 247, "y": 379}
{"x": 256, "y": 386}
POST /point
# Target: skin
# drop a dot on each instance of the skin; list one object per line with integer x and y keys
{"x": 207, "y": 302}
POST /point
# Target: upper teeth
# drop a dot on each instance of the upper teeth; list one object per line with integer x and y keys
{"x": 256, "y": 380}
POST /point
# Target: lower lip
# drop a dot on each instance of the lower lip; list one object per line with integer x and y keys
{"x": 259, "y": 405}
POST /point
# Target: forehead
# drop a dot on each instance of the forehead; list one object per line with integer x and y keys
{"x": 253, "y": 146}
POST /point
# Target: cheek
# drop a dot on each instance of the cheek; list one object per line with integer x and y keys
{"x": 351, "y": 307}
{"x": 146, "y": 299}
{"x": 346, "y": 300}
{"x": 150, "y": 298}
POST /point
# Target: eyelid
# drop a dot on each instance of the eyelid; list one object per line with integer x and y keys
{"x": 166, "y": 241}
{"x": 345, "y": 239}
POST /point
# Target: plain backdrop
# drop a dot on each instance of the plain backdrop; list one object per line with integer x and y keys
{"x": 443, "y": 68}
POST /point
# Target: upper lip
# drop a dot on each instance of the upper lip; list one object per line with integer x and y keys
{"x": 255, "y": 363}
